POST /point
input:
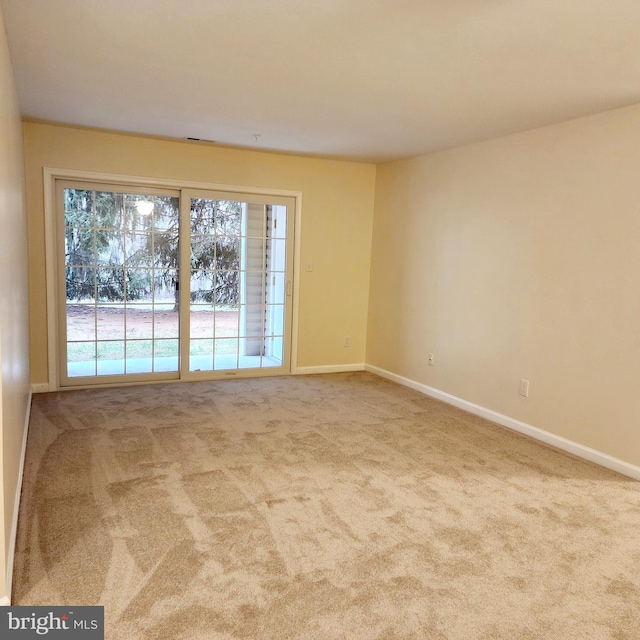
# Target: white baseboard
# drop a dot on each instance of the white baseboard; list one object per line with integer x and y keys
{"x": 16, "y": 508}
{"x": 330, "y": 368}
{"x": 579, "y": 450}
{"x": 41, "y": 387}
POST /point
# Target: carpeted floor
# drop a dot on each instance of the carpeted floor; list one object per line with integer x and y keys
{"x": 326, "y": 507}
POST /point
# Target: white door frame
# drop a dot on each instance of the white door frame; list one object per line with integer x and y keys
{"x": 50, "y": 175}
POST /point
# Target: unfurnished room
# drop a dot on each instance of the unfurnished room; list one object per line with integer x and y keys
{"x": 320, "y": 320}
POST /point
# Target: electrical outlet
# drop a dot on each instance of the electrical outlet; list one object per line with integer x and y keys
{"x": 431, "y": 360}
{"x": 524, "y": 388}
{"x": 308, "y": 266}
{"x": 347, "y": 341}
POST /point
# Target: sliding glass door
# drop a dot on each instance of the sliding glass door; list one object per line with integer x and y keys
{"x": 238, "y": 283}
{"x": 172, "y": 284}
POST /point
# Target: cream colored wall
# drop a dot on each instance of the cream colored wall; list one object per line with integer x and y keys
{"x": 519, "y": 258}
{"x": 14, "y": 346}
{"x": 337, "y": 219}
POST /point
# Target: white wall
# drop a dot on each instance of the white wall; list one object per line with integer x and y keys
{"x": 14, "y": 321}
{"x": 519, "y": 258}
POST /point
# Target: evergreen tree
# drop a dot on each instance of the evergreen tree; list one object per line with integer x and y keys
{"x": 110, "y": 248}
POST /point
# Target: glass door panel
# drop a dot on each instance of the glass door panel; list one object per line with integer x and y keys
{"x": 121, "y": 316}
{"x": 238, "y": 303}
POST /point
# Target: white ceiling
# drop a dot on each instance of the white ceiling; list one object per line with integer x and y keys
{"x": 362, "y": 79}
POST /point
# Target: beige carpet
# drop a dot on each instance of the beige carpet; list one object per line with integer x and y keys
{"x": 326, "y": 507}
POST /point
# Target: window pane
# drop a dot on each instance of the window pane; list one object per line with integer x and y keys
{"x": 201, "y": 355}
{"x": 80, "y": 284}
{"x": 81, "y": 359}
{"x": 165, "y": 250}
{"x": 109, "y": 248}
{"x": 252, "y": 320}
{"x": 202, "y": 286}
{"x": 251, "y": 347}
{"x": 275, "y": 320}
{"x": 110, "y": 358}
{"x": 139, "y": 322}
{"x": 252, "y": 286}
{"x": 166, "y": 215}
{"x": 78, "y": 208}
{"x": 228, "y": 217}
{"x": 253, "y": 256}
{"x": 165, "y": 295}
{"x": 227, "y": 288}
{"x": 226, "y": 345}
{"x": 273, "y": 352}
{"x": 275, "y": 288}
{"x": 201, "y": 322}
{"x": 138, "y": 249}
{"x": 203, "y": 252}
{"x": 78, "y": 246}
{"x": 81, "y": 351}
{"x": 203, "y": 215}
{"x": 165, "y": 355}
{"x": 167, "y": 323}
{"x": 81, "y": 322}
{"x": 226, "y": 322}
{"x": 109, "y": 208}
{"x": 139, "y": 356}
{"x": 139, "y": 286}
{"x": 136, "y": 221}
{"x": 276, "y": 255}
{"x": 228, "y": 253}
{"x": 254, "y": 222}
{"x": 110, "y": 285}
{"x": 278, "y": 221}
{"x": 226, "y": 353}
{"x": 110, "y": 323}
